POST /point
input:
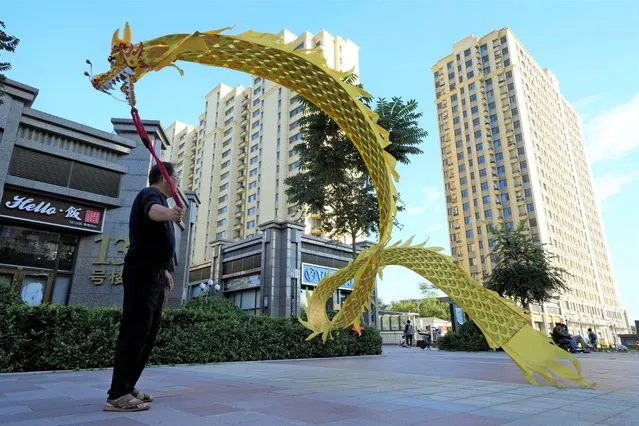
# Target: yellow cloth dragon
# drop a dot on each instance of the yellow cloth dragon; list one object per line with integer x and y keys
{"x": 305, "y": 71}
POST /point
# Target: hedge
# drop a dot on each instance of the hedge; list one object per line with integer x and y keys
{"x": 207, "y": 329}
{"x": 467, "y": 338}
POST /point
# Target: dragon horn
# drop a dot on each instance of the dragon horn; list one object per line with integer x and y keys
{"x": 127, "y": 34}
{"x": 116, "y": 38}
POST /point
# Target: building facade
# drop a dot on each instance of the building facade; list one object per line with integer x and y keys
{"x": 513, "y": 150}
{"x": 66, "y": 192}
{"x": 243, "y": 148}
{"x": 270, "y": 273}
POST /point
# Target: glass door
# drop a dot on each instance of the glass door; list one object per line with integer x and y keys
{"x": 35, "y": 287}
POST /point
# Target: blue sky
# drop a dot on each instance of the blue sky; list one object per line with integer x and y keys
{"x": 592, "y": 47}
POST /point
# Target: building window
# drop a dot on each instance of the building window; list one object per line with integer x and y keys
{"x": 224, "y": 176}
{"x": 469, "y": 233}
{"x": 252, "y": 198}
{"x": 501, "y": 170}
{"x": 482, "y": 172}
{"x": 230, "y": 110}
{"x": 530, "y": 207}
{"x": 488, "y": 213}
{"x": 507, "y": 212}
{"x": 254, "y": 148}
{"x": 462, "y": 168}
{"x": 253, "y": 160}
{"x": 467, "y": 52}
{"x": 253, "y": 172}
{"x": 222, "y": 210}
{"x": 295, "y": 138}
{"x": 251, "y": 211}
{"x": 223, "y": 198}
{"x": 224, "y": 187}
{"x": 221, "y": 222}
{"x": 486, "y": 199}
{"x": 253, "y": 185}
{"x": 226, "y": 164}
{"x": 502, "y": 183}
{"x": 255, "y": 136}
{"x": 251, "y": 224}
{"x": 256, "y": 113}
{"x": 484, "y": 186}
{"x": 228, "y": 131}
{"x": 504, "y": 198}
{"x": 227, "y": 143}
{"x": 229, "y": 121}
{"x": 226, "y": 153}
{"x": 220, "y": 235}
{"x": 296, "y": 111}
{"x": 466, "y": 206}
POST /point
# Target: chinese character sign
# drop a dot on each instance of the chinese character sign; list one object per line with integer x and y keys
{"x": 109, "y": 268}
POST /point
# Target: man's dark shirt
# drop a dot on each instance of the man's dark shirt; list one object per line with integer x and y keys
{"x": 150, "y": 241}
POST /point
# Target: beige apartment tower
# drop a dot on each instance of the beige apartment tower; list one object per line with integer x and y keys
{"x": 513, "y": 150}
{"x": 243, "y": 149}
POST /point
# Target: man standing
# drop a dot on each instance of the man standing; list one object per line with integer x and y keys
{"x": 409, "y": 331}
{"x": 147, "y": 267}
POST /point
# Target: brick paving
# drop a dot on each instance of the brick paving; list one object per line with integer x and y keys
{"x": 401, "y": 387}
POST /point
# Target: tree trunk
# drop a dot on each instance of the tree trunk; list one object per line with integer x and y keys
{"x": 354, "y": 244}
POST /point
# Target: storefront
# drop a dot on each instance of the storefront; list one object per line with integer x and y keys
{"x": 66, "y": 192}
{"x": 39, "y": 236}
{"x": 270, "y": 273}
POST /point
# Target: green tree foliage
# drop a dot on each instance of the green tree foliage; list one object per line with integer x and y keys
{"x": 523, "y": 270}
{"x": 427, "y": 307}
{"x": 8, "y": 43}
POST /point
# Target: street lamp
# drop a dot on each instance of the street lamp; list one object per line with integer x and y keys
{"x": 210, "y": 285}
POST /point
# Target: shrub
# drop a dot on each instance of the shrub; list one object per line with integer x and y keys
{"x": 467, "y": 338}
{"x": 207, "y": 329}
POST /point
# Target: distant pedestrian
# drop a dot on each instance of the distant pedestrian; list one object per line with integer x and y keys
{"x": 147, "y": 267}
{"x": 409, "y": 331}
{"x": 592, "y": 338}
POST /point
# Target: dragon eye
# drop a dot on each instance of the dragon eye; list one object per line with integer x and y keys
{"x": 111, "y": 59}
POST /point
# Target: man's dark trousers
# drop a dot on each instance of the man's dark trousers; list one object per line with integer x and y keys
{"x": 141, "y": 314}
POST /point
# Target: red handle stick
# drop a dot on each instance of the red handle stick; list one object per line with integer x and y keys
{"x": 147, "y": 142}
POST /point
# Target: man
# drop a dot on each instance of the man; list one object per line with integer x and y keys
{"x": 592, "y": 337}
{"x": 561, "y": 336}
{"x": 408, "y": 332}
{"x": 147, "y": 267}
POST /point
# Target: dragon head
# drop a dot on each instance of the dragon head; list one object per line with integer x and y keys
{"x": 127, "y": 66}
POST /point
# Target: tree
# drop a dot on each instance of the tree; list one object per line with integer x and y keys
{"x": 8, "y": 43}
{"x": 333, "y": 182}
{"x": 523, "y": 269}
{"x": 426, "y": 308}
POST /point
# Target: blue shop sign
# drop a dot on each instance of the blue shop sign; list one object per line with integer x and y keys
{"x": 313, "y": 274}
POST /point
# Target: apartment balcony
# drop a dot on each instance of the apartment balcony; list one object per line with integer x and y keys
{"x": 239, "y": 213}
{"x": 240, "y": 177}
{"x": 240, "y": 188}
{"x": 242, "y": 155}
{"x": 239, "y": 201}
{"x": 505, "y": 106}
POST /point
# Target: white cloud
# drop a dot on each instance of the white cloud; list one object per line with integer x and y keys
{"x": 609, "y": 185}
{"x": 614, "y": 132}
{"x": 430, "y": 203}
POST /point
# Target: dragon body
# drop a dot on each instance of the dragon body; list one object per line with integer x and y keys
{"x": 305, "y": 71}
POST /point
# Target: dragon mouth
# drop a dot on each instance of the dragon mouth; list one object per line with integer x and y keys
{"x": 123, "y": 77}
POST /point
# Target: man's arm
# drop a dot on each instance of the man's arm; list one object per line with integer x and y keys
{"x": 159, "y": 213}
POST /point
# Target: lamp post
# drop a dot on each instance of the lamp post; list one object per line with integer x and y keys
{"x": 209, "y": 286}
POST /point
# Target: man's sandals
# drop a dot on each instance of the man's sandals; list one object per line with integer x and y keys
{"x": 134, "y": 401}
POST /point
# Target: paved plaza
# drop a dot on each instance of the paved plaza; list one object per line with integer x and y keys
{"x": 401, "y": 387}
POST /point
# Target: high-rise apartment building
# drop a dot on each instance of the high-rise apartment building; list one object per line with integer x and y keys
{"x": 513, "y": 150}
{"x": 243, "y": 149}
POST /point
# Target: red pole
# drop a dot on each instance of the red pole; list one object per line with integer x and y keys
{"x": 147, "y": 142}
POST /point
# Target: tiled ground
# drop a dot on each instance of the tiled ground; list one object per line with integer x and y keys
{"x": 401, "y": 387}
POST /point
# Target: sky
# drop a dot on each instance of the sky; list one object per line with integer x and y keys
{"x": 592, "y": 47}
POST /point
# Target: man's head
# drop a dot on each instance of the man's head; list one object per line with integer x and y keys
{"x": 156, "y": 179}
{"x": 408, "y": 322}
{"x": 590, "y": 329}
